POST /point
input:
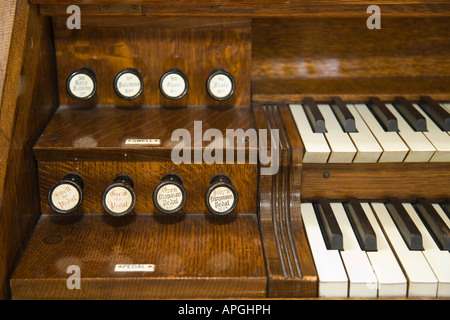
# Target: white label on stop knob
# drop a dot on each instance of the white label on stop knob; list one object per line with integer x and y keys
{"x": 220, "y": 86}
{"x": 173, "y": 85}
{"x": 169, "y": 197}
{"x": 81, "y": 86}
{"x": 118, "y": 200}
{"x": 221, "y": 199}
{"x": 129, "y": 85}
{"x": 65, "y": 197}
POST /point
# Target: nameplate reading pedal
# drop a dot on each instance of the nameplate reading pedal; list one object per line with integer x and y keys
{"x": 134, "y": 268}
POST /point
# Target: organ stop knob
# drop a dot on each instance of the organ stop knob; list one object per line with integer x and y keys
{"x": 128, "y": 84}
{"x": 221, "y": 197}
{"x": 66, "y": 195}
{"x": 119, "y": 198}
{"x": 82, "y": 84}
{"x": 220, "y": 85}
{"x": 169, "y": 196}
{"x": 174, "y": 84}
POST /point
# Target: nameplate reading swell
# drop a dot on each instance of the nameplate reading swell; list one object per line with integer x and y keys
{"x": 153, "y": 142}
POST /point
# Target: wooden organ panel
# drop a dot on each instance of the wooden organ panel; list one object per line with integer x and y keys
{"x": 82, "y": 144}
{"x": 154, "y": 46}
{"x": 285, "y": 66}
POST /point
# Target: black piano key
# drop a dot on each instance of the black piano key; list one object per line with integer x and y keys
{"x": 314, "y": 116}
{"x": 344, "y": 116}
{"x": 434, "y": 223}
{"x": 405, "y": 225}
{"x": 387, "y": 120}
{"x": 329, "y": 225}
{"x": 414, "y": 118}
{"x": 446, "y": 207}
{"x": 361, "y": 225}
{"x": 436, "y": 112}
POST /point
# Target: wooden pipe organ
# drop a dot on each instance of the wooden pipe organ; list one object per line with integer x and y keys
{"x": 225, "y": 150}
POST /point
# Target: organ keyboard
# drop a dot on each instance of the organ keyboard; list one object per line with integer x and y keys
{"x": 232, "y": 150}
{"x": 393, "y": 268}
{"x": 394, "y": 139}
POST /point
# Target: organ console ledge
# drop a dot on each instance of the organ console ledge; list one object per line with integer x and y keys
{"x": 350, "y": 125}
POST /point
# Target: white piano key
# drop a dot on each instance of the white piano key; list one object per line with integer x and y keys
{"x": 333, "y": 281}
{"x": 440, "y": 139}
{"x": 391, "y": 280}
{"x": 442, "y": 214}
{"x": 394, "y": 149}
{"x": 446, "y": 105}
{"x": 342, "y": 148}
{"x": 368, "y": 149}
{"x": 421, "y": 279}
{"x": 316, "y": 146}
{"x": 362, "y": 279}
{"x": 438, "y": 259}
{"x": 420, "y": 148}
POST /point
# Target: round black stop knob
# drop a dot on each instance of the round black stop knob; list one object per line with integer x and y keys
{"x": 66, "y": 195}
{"x": 169, "y": 195}
{"x": 119, "y": 198}
{"x": 221, "y": 197}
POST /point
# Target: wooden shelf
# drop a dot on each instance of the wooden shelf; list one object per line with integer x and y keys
{"x": 256, "y": 8}
{"x": 193, "y": 256}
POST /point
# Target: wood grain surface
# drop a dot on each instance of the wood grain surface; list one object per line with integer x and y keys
{"x": 97, "y": 175}
{"x": 195, "y": 256}
{"x": 92, "y": 143}
{"x": 28, "y": 98}
{"x": 376, "y": 180}
{"x": 10, "y": 244}
{"x": 254, "y": 8}
{"x": 7, "y": 13}
{"x": 193, "y": 47}
{"x": 321, "y": 57}
{"x": 101, "y": 129}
